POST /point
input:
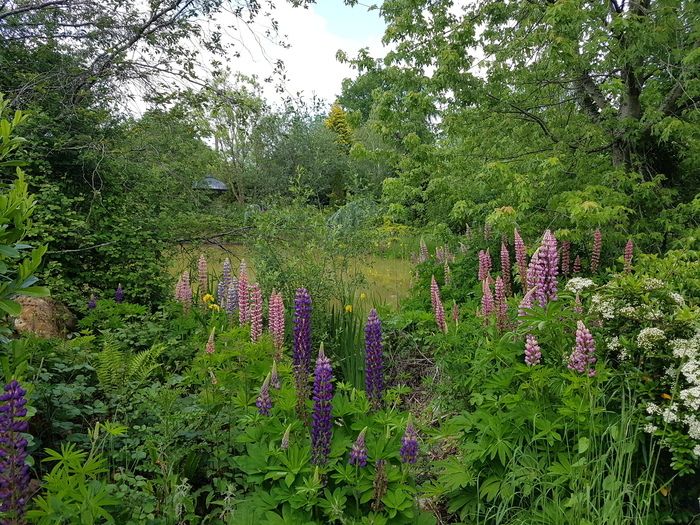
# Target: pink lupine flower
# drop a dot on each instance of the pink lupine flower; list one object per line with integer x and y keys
{"x": 484, "y": 265}
{"x": 505, "y": 267}
{"x": 533, "y": 354}
{"x": 595, "y": 254}
{"x": 549, "y": 268}
{"x": 243, "y": 313}
{"x": 582, "y": 358}
{"x": 183, "y": 291}
{"x": 276, "y": 321}
{"x": 202, "y": 275}
{"x": 500, "y": 305}
{"x": 526, "y": 303}
{"x": 629, "y": 252}
{"x": 487, "y": 301}
{"x": 256, "y": 312}
{"x": 565, "y": 257}
{"x": 521, "y": 258}
{"x": 210, "y": 343}
{"x": 438, "y": 309}
{"x": 577, "y": 264}
{"x": 534, "y": 272}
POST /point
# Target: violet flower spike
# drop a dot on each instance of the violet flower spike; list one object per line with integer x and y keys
{"x": 409, "y": 444}
{"x": 119, "y": 294}
{"x": 322, "y": 420}
{"x": 221, "y": 294}
{"x": 374, "y": 360}
{"x": 232, "y": 297}
{"x": 227, "y": 274}
{"x": 526, "y": 303}
{"x": 595, "y": 254}
{"x": 301, "y": 351}
{"x": 521, "y": 259}
{"x": 264, "y": 401}
{"x": 92, "y": 303}
{"x": 256, "y": 312}
{"x": 505, "y": 267}
{"x": 358, "y": 454}
{"x": 548, "y": 262}
{"x": 487, "y": 300}
{"x": 582, "y": 358}
{"x": 484, "y": 265}
{"x": 14, "y": 471}
{"x": 438, "y": 309}
{"x": 533, "y": 354}
{"x": 501, "y": 305}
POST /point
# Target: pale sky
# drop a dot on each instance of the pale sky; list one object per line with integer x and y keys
{"x": 315, "y": 35}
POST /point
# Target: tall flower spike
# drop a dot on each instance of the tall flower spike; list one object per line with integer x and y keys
{"x": 577, "y": 264}
{"x": 455, "y": 312}
{"x": 358, "y": 454}
{"x": 211, "y": 345}
{"x": 322, "y": 421}
{"x": 232, "y": 297}
{"x": 582, "y": 358}
{"x": 578, "y": 305}
{"x": 487, "y": 231}
{"x": 448, "y": 274}
{"x": 521, "y": 259}
{"x": 526, "y": 303}
{"x": 301, "y": 355}
{"x": 484, "y": 265}
{"x": 533, "y": 354}
{"x": 423, "y": 254}
{"x": 595, "y": 254}
{"x": 535, "y": 275}
{"x": 505, "y": 268}
{"x": 276, "y": 321}
{"x": 264, "y": 401}
{"x": 202, "y": 276}
{"x": 274, "y": 377}
{"x": 119, "y": 294}
{"x": 409, "y": 444}
{"x": 284, "y": 444}
{"x": 487, "y": 300}
{"x": 92, "y": 303}
{"x": 629, "y": 252}
{"x": 374, "y": 360}
{"x": 227, "y": 273}
{"x": 565, "y": 257}
{"x": 438, "y": 309}
{"x": 256, "y": 312}
{"x": 548, "y": 262}
{"x": 501, "y": 306}
{"x": 221, "y": 294}
{"x": 243, "y": 313}
{"x": 183, "y": 291}
{"x": 14, "y": 471}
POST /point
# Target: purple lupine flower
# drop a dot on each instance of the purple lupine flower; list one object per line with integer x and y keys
{"x": 243, "y": 314}
{"x": 14, "y": 471}
{"x": 322, "y": 421}
{"x": 438, "y": 309}
{"x": 276, "y": 322}
{"x": 505, "y": 267}
{"x": 358, "y": 454}
{"x": 548, "y": 262}
{"x": 533, "y": 354}
{"x": 423, "y": 254}
{"x": 232, "y": 297}
{"x": 183, "y": 291}
{"x": 92, "y": 303}
{"x": 256, "y": 312}
{"x": 409, "y": 444}
{"x": 264, "y": 401}
{"x": 582, "y": 358}
{"x": 221, "y": 294}
{"x": 577, "y": 264}
{"x": 629, "y": 252}
{"x": 565, "y": 257}
{"x": 486, "y": 300}
{"x": 301, "y": 354}
{"x": 597, "y": 246}
{"x": 526, "y": 303}
{"x": 274, "y": 376}
{"x": 227, "y": 274}
{"x": 484, "y": 265}
{"x": 374, "y": 359}
{"x": 284, "y": 444}
{"x": 534, "y": 272}
{"x": 119, "y": 294}
{"x": 521, "y": 259}
{"x": 448, "y": 274}
{"x": 500, "y": 305}
{"x": 202, "y": 275}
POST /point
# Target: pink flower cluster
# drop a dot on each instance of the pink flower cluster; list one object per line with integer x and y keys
{"x": 438, "y": 309}
{"x": 533, "y": 353}
{"x": 582, "y": 358}
{"x": 276, "y": 320}
{"x": 183, "y": 291}
{"x": 255, "y": 308}
{"x": 484, "y": 265}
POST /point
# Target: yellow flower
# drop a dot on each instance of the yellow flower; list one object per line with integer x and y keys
{"x": 348, "y": 308}
{"x": 666, "y": 396}
{"x": 363, "y": 296}
{"x": 215, "y": 307}
{"x": 208, "y": 298}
